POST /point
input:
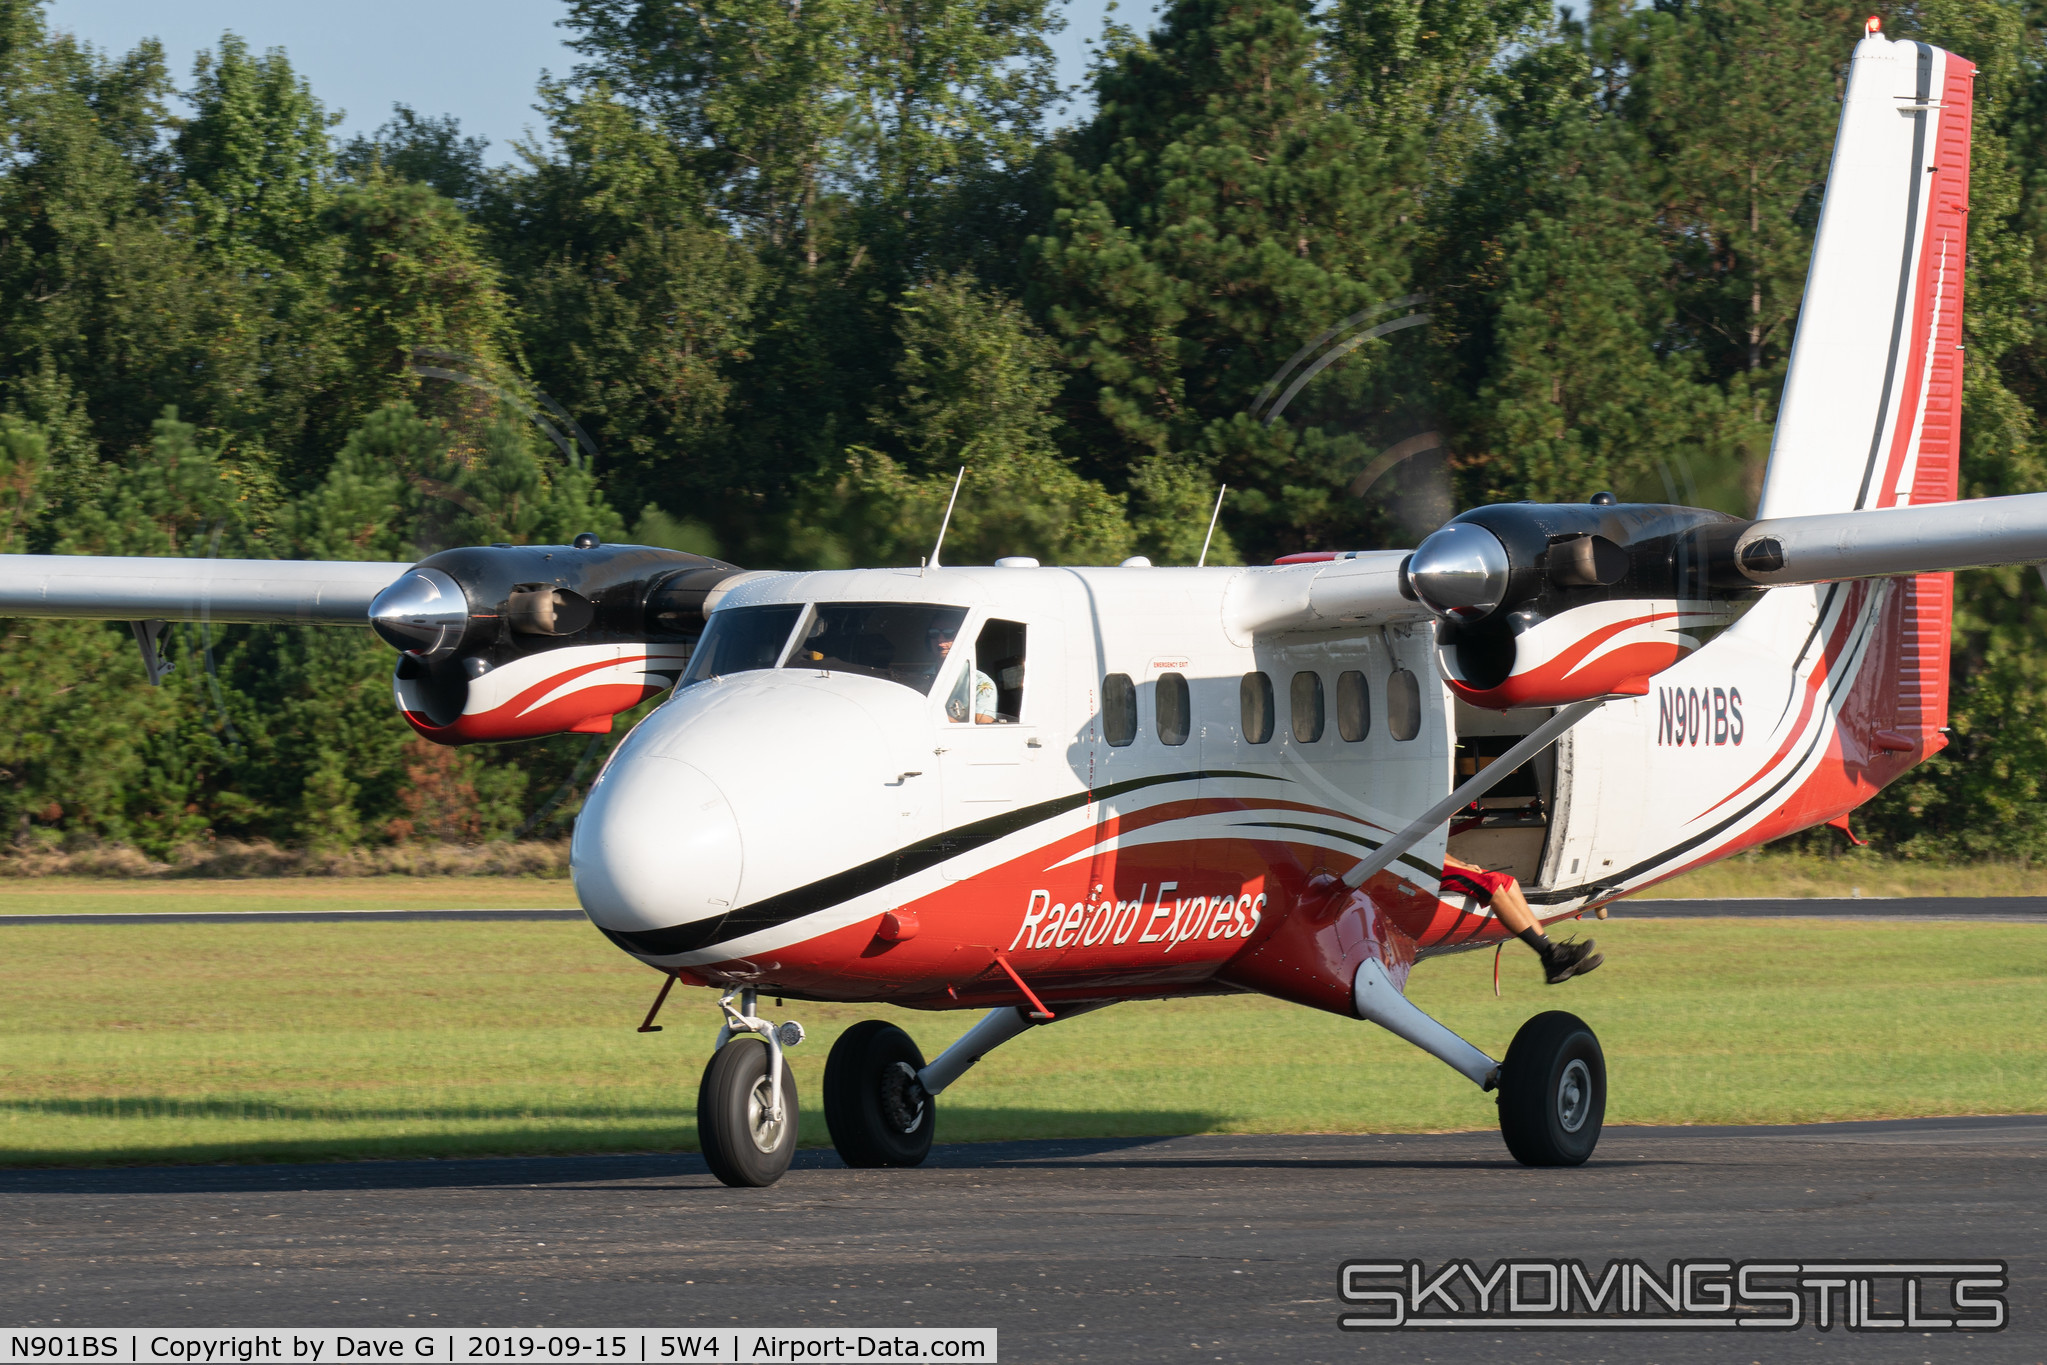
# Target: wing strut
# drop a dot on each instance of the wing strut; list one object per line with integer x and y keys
{"x": 149, "y": 637}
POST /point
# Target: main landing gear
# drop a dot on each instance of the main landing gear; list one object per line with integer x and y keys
{"x": 880, "y": 1096}
{"x": 1553, "y": 1091}
{"x": 747, "y": 1115}
{"x": 1552, "y": 1086}
{"x": 878, "y": 1111}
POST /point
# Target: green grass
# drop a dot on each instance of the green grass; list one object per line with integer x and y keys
{"x": 1768, "y": 872}
{"x": 121, "y": 895}
{"x": 276, "y": 1042}
{"x": 1762, "y": 873}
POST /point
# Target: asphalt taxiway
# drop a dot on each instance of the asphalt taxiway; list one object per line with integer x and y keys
{"x": 1202, "y": 1248}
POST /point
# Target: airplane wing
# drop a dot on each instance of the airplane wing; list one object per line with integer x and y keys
{"x": 1892, "y": 541}
{"x": 1353, "y": 590}
{"x": 229, "y": 591}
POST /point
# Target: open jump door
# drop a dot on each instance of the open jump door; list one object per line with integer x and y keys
{"x": 1517, "y": 826}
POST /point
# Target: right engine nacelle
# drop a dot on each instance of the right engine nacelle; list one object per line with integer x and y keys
{"x": 1546, "y": 604}
{"x": 519, "y": 641}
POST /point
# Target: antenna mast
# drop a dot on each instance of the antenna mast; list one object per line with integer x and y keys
{"x": 1202, "y": 563}
{"x": 943, "y": 525}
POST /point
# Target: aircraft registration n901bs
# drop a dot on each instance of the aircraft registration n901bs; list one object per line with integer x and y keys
{"x": 1037, "y": 791}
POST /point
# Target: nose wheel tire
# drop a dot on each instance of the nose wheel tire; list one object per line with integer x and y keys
{"x": 878, "y": 1113}
{"x": 1553, "y": 1091}
{"x": 744, "y": 1142}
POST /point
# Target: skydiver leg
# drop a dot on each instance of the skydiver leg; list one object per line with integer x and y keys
{"x": 1560, "y": 961}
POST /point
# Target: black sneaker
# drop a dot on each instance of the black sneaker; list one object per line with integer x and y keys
{"x": 1566, "y": 960}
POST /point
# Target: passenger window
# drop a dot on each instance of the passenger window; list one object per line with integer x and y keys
{"x": 1353, "y": 706}
{"x": 1169, "y": 698}
{"x": 1254, "y": 706}
{"x": 1119, "y": 709}
{"x": 1403, "y": 704}
{"x": 999, "y": 655}
{"x": 1306, "y": 697}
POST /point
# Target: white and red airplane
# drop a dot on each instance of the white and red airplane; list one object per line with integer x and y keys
{"x": 1038, "y": 791}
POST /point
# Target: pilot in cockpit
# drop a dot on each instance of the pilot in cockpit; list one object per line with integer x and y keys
{"x": 981, "y": 695}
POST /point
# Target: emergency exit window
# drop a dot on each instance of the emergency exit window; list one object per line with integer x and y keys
{"x": 1175, "y": 712}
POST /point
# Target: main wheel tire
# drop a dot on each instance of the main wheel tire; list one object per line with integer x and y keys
{"x": 742, "y": 1146}
{"x": 878, "y": 1113}
{"x": 1553, "y": 1091}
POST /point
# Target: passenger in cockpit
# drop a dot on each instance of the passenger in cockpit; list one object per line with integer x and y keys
{"x": 980, "y": 698}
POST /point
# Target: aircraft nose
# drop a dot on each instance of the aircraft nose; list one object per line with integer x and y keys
{"x": 656, "y": 846}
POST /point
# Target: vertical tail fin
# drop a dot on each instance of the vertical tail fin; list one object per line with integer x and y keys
{"x": 1871, "y": 411}
{"x": 1871, "y": 415}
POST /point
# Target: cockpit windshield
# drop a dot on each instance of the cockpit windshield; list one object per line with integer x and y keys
{"x": 742, "y": 638}
{"x": 901, "y": 642}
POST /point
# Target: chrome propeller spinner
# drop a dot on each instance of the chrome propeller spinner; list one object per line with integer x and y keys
{"x": 1460, "y": 572}
{"x": 424, "y": 611}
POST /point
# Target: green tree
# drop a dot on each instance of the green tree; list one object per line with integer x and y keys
{"x": 413, "y": 284}
{"x": 254, "y": 176}
{"x": 1738, "y": 208}
{"x": 1218, "y": 211}
{"x": 754, "y": 92}
{"x": 976, "y": 387}
{"x": 93, "y": 288}
{"x": 637, "y": 304}
{"x": 255, "y": 158}
{"x": 421, "y": 148}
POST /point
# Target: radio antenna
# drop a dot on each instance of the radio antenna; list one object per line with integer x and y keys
{"x": 1212, "y": 516}
{"x": 948, "y": 516}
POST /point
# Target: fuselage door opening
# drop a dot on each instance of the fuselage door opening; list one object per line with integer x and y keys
{"x": 1509, "y": 828}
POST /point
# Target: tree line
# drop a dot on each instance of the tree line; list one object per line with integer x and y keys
{"x": 769, "y": 271}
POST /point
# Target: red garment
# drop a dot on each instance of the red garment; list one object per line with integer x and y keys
{"x": 1481, "y": 886}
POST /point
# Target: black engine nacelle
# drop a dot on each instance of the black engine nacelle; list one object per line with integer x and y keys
{"x": 517, "y": 641}
{"x": 1545, "y": 604}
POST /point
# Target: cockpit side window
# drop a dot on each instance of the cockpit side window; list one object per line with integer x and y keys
{"x": 739, "y": 639}
{"x": 999, "y": 657}
{"x": 899, "y": 642}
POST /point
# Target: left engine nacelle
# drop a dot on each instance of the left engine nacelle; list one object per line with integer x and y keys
{"x": 1546, "y": 604}
{"x": 518, "y": 641}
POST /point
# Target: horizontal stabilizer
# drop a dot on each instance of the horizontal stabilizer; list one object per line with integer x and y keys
{"x": 111, "y": 588}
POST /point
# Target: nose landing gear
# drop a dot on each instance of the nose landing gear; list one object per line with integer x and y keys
{"x": 747, "y": 1114}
